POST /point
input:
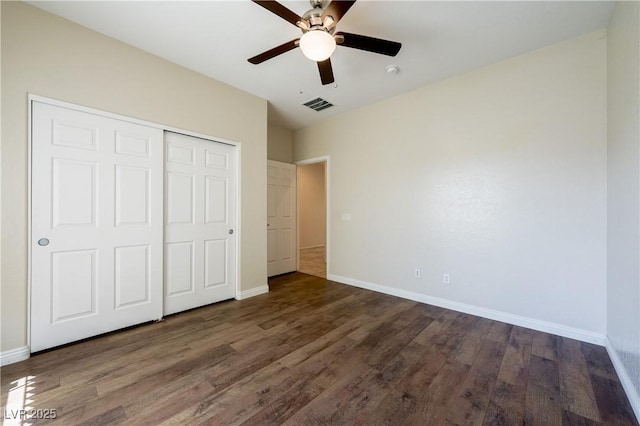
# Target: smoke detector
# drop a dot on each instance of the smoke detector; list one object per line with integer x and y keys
{"x": 392, "y": 69}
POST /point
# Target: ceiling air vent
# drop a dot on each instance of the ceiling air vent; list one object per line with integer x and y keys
{"x": 318, "y": 104}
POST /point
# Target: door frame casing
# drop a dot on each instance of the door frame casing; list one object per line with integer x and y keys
{"x": 327, "y": 191}
{"x": 31, "y": 98}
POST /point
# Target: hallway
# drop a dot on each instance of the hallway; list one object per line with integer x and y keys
{"x": 313, "y": 261}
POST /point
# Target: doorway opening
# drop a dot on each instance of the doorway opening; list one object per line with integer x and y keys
{"x": 312, "y": 217}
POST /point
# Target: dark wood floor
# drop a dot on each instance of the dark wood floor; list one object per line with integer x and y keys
{"x": 316, "y": 352}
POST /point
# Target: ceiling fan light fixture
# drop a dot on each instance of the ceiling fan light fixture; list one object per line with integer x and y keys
{"x": 317, "y": 45}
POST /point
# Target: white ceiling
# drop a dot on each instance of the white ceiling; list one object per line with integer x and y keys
{"x": 439, "y": 39}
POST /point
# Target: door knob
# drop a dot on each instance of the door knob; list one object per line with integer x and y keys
{"x": 43, "y": 242}
{"x": 230, "y": 231}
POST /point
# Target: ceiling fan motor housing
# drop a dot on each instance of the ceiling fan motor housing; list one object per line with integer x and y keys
{"x": 314, "y": 20}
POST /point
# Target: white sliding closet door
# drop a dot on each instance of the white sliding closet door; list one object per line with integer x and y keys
{"x": 97, "y": 225}
{"x": 200, "y": 231}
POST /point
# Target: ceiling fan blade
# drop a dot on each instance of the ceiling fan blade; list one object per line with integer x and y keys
{"x": 271, "y": 53}
{"x": 326, "y": 71}
{"x": 280, "y": 10}
{"x": 370, "y": 44}
{"x": 337, "y": 9}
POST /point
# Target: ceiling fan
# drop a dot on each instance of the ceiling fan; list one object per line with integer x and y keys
{"x": 319, "y": 39}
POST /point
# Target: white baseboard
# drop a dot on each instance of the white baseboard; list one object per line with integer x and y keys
{"x": 14, "y": 355}
{"x": 627, "y": 384}
{"x": 253, "y": 292}
{"x": 535, "y": 324}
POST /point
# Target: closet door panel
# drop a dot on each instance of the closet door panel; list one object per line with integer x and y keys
{"x": 200, "y": 231}
{"x": 97, "y": 224}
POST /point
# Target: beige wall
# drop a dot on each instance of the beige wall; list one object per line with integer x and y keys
{"x": 496, "y": 177}
{"x": 0, "y": 175}
{"x": 49, "y": 56}
{"x": 312, "y": 207}
{"x": 279, "y": 144}
{"x": 623, "y": 155}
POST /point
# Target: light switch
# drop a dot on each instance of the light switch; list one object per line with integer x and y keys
{"x": 346, "y": 217}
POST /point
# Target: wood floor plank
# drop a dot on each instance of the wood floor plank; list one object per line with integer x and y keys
{"x": 114, "y": 416}
{"x": 242, "y": 399}
{"x": 316, "y": 412}
{"x": 280, "y": 410}
{"x": 544, "y": 373}
{"x": 164, "y": 402}
{"x": 499, "y": 332}
{"x": 403, "y": 363}
{"x": 363, "y": 332}
{"x": 474, "y": 339}
{"x": 434, "y": 330}
{"x": 541, "y": 408}
{"x": 70, "y": 400}
{"x": 404, "y": 398}
{"x": 572, "y": 419}
{"x": 577, "y": 392}
{"x": 543, "y": 399}
{"x": 165, "y": 369}
{"x": 515, "y": 364}
{"x": 395, "y": 408}
{"x": 507, "y": 405}
{"x": 312, "y": 351}
{"x": 355, "y": 402}
{"x": 598, "y": 361}
{"x": 473, "y": 400}
{"x": 544, "y": 345}
{"x": 381, "y": 350}
{"x": 434, "y": 402}
{"x": 145, "y": 386}
{"x": 263, "y": 353}
{"x": 424, "y": 364}
{"x": 326, "y": 340}
{"x": 613, "y": 404}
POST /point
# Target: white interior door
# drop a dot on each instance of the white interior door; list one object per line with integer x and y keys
{"x": 281, "y": 218}
{"x": 200, "y": 231}
{"x": 96, "y": 249}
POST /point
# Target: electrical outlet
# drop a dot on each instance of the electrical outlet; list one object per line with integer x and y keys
{"x": 446, "y": 279}
{"x": 417, "y": 273}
